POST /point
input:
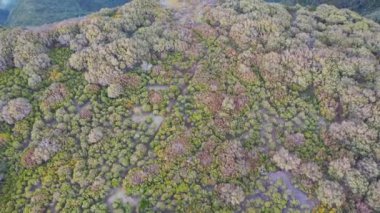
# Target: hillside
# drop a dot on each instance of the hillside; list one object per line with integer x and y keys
{"x": 196, "y": 106}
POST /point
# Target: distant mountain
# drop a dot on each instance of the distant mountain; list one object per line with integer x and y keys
{"x": 37, "y": 12}
{"x": 3, "y": 15}
{"x": 7, "y": 4}
{"x": 375, "y": 15}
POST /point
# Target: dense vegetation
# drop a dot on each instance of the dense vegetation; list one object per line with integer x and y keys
{"x": 237, "y": 105}
{"x": 369, "y": 8}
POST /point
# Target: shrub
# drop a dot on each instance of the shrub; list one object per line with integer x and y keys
{"x": 285, "y": 160}
{"x": 95, "y": 135}
{"x": 230, "y": 193}
{"x": 312, "y": 171}
{"x": 4, "y": 138}
{"x": 40, "y": 153}
{"x": 356, "y": 182}
{"x": 233, "y": 160}
{"x": 339, "y": 167}
{"x": 55, "y": 94}
{"x": 373, "y": 195}
{"x": 114, "y": 90}
{"x": 368, "y": 168}
{"x": 331, "y": 193}
{"x": 16, "y": 109}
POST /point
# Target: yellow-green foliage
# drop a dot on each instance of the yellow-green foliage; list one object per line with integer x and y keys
{"x": 4, "y": 138}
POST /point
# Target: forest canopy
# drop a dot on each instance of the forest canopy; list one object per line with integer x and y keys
{"x": 208, "y": 106}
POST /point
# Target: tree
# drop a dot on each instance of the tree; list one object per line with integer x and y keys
{"x": 16, "y": 110}
{"x": 331, "y": 193}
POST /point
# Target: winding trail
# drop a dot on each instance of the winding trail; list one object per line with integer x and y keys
{"x": 294, "y": 191}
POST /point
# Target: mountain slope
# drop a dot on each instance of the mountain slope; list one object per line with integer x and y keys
{"x": 201, "y": 106}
